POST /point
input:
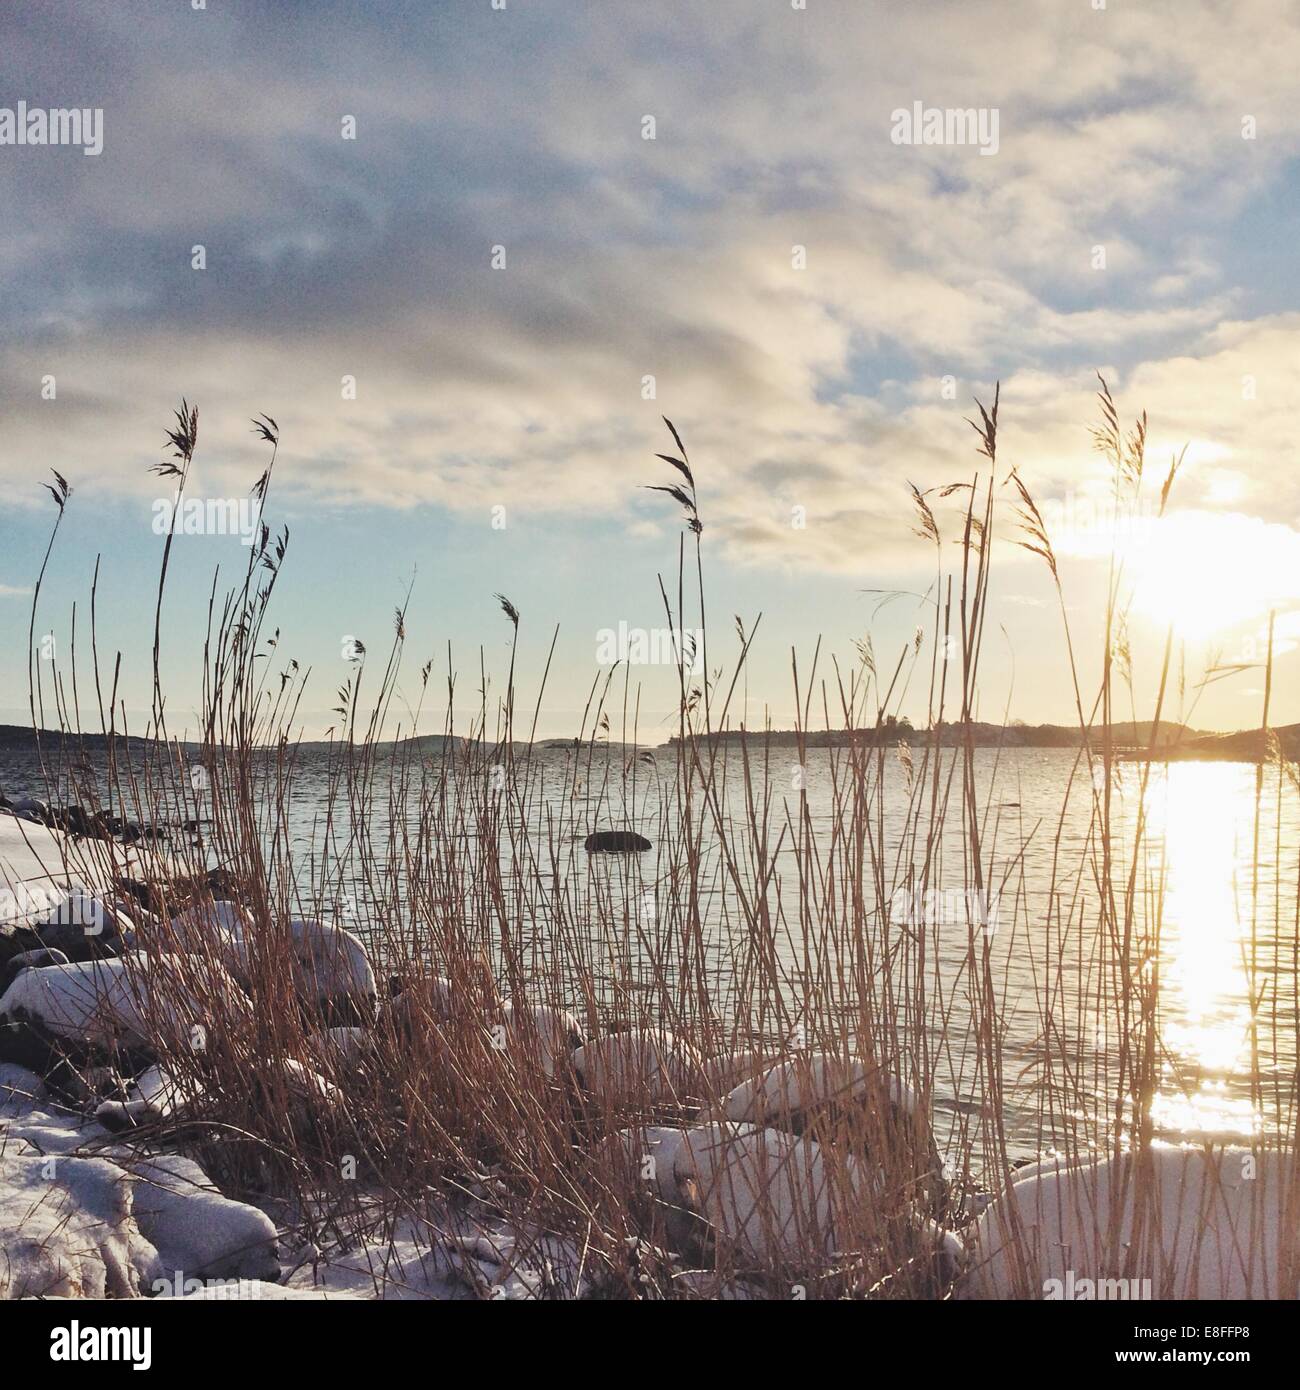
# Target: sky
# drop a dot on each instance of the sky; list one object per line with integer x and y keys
{"x": 439, "y": 248}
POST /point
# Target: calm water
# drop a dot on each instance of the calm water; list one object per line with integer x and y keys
{"x": 1214, "y": 913}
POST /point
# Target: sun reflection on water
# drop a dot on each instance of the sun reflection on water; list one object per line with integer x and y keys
{"x": 1201, "y": 816}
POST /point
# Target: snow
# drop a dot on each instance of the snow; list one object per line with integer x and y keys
{"x": 39, "y": 866}
{"x": 537, "y": 1034}
{"x": 114, "y": 1002}
{"x": 643, "y": 1063}
{"x": 769, "y": 1196}
{"x": 1211, "y": 1227}
{"x": 84, "y": 1217}
{"x": 196, "y": 1231}
{"x": 459, "y": 1259}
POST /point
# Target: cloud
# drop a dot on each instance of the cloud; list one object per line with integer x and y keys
{"x": 816, "y": 389}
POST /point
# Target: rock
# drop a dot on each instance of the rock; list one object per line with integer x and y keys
{"x": 67, "y": 1229}
{"x": 339, "y": 1052}
{"x": 197, "y": 1232}
{"x": 29, "y": 960}
{"x": 616, "y": 842}
{"x": 204, "y": 923}
{"x": 226, "y": 883}
{"x": 332, "y": 976}
{"x": 76, "y": 820}
{"x": 332, "y": 973}
{"x": 30, "y": 808}
{"x": 770, "y": 1198}
{"x": 727, "y": 1070}
{"x": 1213, "y": 1225}
{"x": 841, "y": 1100}
{"x": 156, "y": 1094}
{"x": 84, "y": 926}
{"x": 309, "y": 1089}
{"x": 639, "y": 1067}
{"x": 124, "y": 1005}
{"x": 658, "y": 1159}
{"x": 538, "y": 1036}
{"x": 433, "y": 1001}
{"x": 20, "y": 1089}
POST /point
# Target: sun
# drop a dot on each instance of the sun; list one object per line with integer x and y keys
{"x": 1205, "y": 573}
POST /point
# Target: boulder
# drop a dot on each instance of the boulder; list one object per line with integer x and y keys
{"x": 332, "y": 973}
{"x": 156, "y": 1094}
{"x": 767, "y": 1198}
{"x": 640, "y": 1067}
{"x": 204, "y": 923}
{"x": 198, "y": 1233}
{"x": 538, "y": 1036}
{"x": 616, "y": 842}
{"x": 473, "y": 993}
{"x": 845, "y": 1101}
{"x": 84, "y": 926}
{"x": 67, "y": 1229}
{"x": 129, "y": 1004}
{"x": 1169, "y": 1224}
{"x": 30, "y": 808}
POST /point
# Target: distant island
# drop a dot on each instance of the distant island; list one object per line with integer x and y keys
{"x": 1130, "y": 740}
{"x": 1167, "y": 742}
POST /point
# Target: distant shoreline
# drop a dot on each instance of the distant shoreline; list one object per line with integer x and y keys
{"x": 1130, "y": 742}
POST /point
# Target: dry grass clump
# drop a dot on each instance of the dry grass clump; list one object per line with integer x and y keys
{"x": 753, "y": 934}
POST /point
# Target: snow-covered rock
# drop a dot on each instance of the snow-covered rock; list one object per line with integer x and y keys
{"x": 332, "y": 973}
{"x": 20, "y": 1089}
{"x": 727, "y": 1070}
{"x": 205, "y": 923}
{"x": 659, "y": 1160}
{"x": 158, "y": 1093}
{"x": 197, "y": 1232}
{"x": 1187, "y": 1224}
{"x": 29, "y": 960}
{"x": 84, "y": 922}
{"x": 538, "y": 1036}
{"x": 67, "y": 1229}
{"x": 643, "y": 1066}
{"x": 826, "y": 1095}
{"x": 770, "y": 1197}
{"x": 117, "y": 1224}
{"x": 130, "y": 1002}
{"x": 339, "y": 1050}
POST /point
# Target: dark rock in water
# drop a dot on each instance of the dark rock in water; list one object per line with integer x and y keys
{"x": 616, "y": 842}
{"x": 76, "y": 820}
{"x": 131, "y": 832}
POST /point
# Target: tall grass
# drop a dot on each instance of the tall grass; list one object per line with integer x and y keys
{"x": 762, "y": 926}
